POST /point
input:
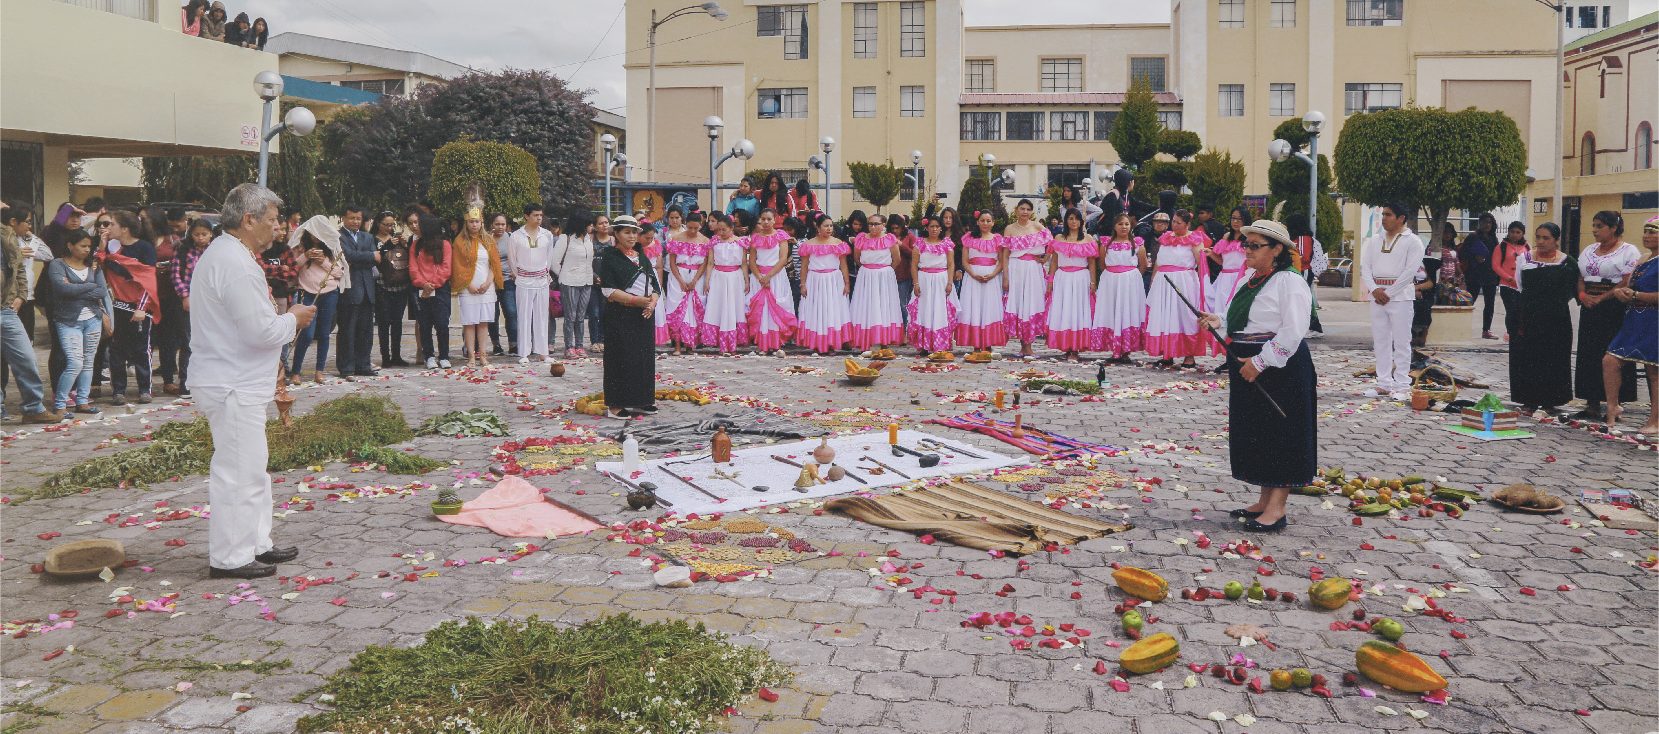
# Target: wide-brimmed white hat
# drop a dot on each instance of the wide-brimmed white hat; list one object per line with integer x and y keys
{"x": 625, "y": 221}
{"x": 1271, "y": 230}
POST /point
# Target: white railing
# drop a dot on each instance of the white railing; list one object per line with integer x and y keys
{"x": 140, "y": 9}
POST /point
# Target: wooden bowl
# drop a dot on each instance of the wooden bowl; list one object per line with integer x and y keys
{"x": 862, "y": 380}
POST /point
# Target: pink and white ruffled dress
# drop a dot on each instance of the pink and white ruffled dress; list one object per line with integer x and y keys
{"x": 933, "y": 311}
{"x": 1171, "y": 328}
{"x": 1070, "y": 311}
{"x": 876, "y": 318}
{"x": 725, "y": 310}
{"x": 685, "y": 310}
{"x": 1027, "y": 304}
{"x": 771, "y": 310}
{"x": 1233, "y": 274}
{"x": 825, "y": 319}
{"x": 1119, "y": 301}
{"x": 660, "y": 319}
{"x": 980, "y": 318}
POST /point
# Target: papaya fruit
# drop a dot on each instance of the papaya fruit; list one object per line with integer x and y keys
{"x": 1373, "y": 508}
{"x": 851, "y": 365}
{"x": 1395, "y": 668}
{"x": 1151, "y": 654}
{"x": 1331, "y": 593}
{"x": 1141, "y": 583}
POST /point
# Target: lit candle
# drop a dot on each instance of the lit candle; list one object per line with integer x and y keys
{"x": 998, "y": 400}
{"x": 893, "y": 433}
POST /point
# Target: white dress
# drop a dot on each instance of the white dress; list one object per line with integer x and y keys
{"x": 1171, "y": 327}
{"x": 771, "y": 310}
{"x": 660, "y": 317}
{"x": 1120, "y": 301}
{"x": 1070, "y": 317}
{"x": 876, "y": 319}
{"x": 727, "y": 304}
{"x": 980, "y": 318}
{"x": 825, "y": 317}
{"x": 933, "y": 311}
{"x": 685, "y": 310}
{"x": 479, "y": 308}
{"x": 1027, "y": 305}
{"x": 1233, "y": 273}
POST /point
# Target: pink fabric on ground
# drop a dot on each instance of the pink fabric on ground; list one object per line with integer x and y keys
{"x": 515, "y": 508}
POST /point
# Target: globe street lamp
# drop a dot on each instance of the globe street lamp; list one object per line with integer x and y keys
{"x": 987, "y": 160}
{"x": 711, "y": 9}
{"x": 744, "y": 150}
{"x": 1281, "y": 149}
{"x": 607, "y": 142}
{"x": 915, "y": 173}
{"x": 827, "y": 145}
{"x": 299, "y": 120}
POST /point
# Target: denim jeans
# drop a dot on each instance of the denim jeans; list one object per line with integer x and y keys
{"x": 432, "y": 315}
{"x": 19, "y": 355}
{"x": 506, "y": 304}
{"x": 79, "y": 341}
{"x": 318, "y": 330}
{"x": 596, "y": 325}
{"x": 129, "y": 347}
{"x": 907, "y": 288}
{"x": 576, "y": 300}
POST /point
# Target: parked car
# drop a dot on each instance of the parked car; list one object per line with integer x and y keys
{"x": 1338, "y": 275}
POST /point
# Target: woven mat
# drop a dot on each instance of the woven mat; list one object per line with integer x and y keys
{"x": 974, "y": 516}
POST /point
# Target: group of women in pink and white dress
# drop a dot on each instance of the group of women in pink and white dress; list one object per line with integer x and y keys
{"x": 980, "y": 289}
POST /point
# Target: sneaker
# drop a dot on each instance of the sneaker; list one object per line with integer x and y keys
{"x": 598, "y": 348}
{"x": 524, "y": 360}
{"x": 497, "y": 352}
{"x": 443, "y": 363}
{"x": 1315, "y": 335}
{"x": 1399, "y": 395}
{"x": 432, "y": 363}
{"x": 170, "y": 388}
{"x": 117, "y": 398}
{"x": 44, "y": 416}
{"x": 144, "y": 398}
{"x": 87, "y": 409}
{"x": 1487, "y": 335}
{"x": 184, "y": 392}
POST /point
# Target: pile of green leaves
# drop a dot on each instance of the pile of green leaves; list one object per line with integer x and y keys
{"x": 466, "y": 423}
{"x": 609, "y": 676}
{"x": 1080, "y": 387}
{"x": 351, "y": 425}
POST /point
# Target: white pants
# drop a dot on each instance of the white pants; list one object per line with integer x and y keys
{"x": 1391, "y": 340}
{"x": 238, "y": 486}
{"x": 533, "y": 316}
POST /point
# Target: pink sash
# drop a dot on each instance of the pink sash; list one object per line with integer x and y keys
{"x": 1072, "y": 268}
{"x": 934, "y": 270}
{"x": 875, "y": 266}
{"x": 982, "y": 261}
{"x": 1120, "y": 268}
{"x": 728, "y": 268}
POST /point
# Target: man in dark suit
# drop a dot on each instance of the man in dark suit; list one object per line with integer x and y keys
{"x": 357, "y": 302}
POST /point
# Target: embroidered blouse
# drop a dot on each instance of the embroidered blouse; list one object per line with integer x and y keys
{"x": 1282, "y": 307}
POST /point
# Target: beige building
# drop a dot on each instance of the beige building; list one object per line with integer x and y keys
{"x": 118, "y": 97}
{"x": 1248, "y": 65}
{"x": 1612, "y": 103}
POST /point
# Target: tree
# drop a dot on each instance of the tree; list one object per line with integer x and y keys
{"x": 379, "y": 156}
{"x": 1287, "y": 185}
{"x": 1216, "y": 179}
{"x": 977, "y": 196}
{"x": 533, "y": 110}
{"x": 1432, "y": 159}
{"x": 924, "y": 196}
{"x": 205, "y": 180}
{"x": 876, "y": 183}
{"x": 1179, "y": 144}
{"x": 1165, "y": 174}
{"x": 502, "y": 176}
{"x": 1135, "y": 136}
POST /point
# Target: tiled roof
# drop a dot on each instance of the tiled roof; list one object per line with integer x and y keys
{"x": 1058, "y": 98}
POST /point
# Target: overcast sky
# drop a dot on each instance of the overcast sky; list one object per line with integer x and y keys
{"x": 586, "y": 46}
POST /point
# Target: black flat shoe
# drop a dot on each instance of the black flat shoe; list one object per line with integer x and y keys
{"x": 1243, "y": 514}
{"x": 1250, "y": 525}
{"x": 278, "y": 555}
{"x": 253, "y": 570}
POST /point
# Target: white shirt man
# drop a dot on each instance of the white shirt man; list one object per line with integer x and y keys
{"x": 237, "y": 337}
{"x": 1387, "y": 263}
{"x": 529, "y": 253}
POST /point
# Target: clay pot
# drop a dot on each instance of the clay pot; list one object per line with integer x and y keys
{"x": 1419, "y": 400}
{"x": 557, "y": 369}
{"x": 823, "y": 454}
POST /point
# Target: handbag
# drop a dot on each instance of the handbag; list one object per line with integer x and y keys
{"x": 555, "y": 303}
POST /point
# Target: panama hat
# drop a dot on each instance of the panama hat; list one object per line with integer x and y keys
{"x": 1271, "y": 230}
{"x": 625, "y": 221}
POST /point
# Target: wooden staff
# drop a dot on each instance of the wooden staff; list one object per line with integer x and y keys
{"x": 1225, "y": 348}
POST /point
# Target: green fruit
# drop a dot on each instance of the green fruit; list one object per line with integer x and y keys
{"x": 1301, "y": 677}
{"x": 1388, "y": 629}
{"x": 1373, "y": 508}
{"x": 1132, "y": 621}
{"x": 1233, "y": 590}
{"x": 1256, "y": 591}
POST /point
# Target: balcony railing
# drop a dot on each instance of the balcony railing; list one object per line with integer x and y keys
{"x": 141, "y": 9}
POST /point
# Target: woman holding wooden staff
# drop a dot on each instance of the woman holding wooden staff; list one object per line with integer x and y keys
{"x": 1266, "y": 323}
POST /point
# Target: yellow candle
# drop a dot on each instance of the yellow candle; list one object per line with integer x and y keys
{"x": 998, "y": 402}
{"x": 893, "y": 433}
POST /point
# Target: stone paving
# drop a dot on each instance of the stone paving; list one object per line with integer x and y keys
{"x": 869, "y": 658}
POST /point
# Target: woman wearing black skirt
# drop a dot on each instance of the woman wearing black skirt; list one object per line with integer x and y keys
{"x": 1541, "y": 346}
{"x": 1602, "y": 268}
{"x": 1267, "y": 322}
{"x": 629, "y": 284}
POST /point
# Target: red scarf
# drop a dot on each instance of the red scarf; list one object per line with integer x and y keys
{"x": 132, "y": 282}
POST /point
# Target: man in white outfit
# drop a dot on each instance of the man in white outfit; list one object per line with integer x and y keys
{"x": 1386, "y": 266}
{"x": 528, "y": 253}
{"x": 236, "y": 339}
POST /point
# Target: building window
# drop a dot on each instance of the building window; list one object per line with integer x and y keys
{"x": 1230, "y": 101}
{"x": 1103, "y": 124}
{"x": 982, "y": 126}
{"x": 1067, "y": 175}
{"x": 981, "y": 76}
{"x": 1283, "y": 14}
{"x": 864, "y": 101}
{"x": 1170, "y": 119}
{"x": 1644, "y": 146}
{"x": 1376, "y": 12}
{"x": 1370, "y": 97}
{"x": 1641, "y": 200}
{"x": 1231, "y": 14}
{"x": 1149, "y": 69}
{"x": 393, "y": 87}
{"x": 1062, "y": 75}
{"x": 769, "y": 20}
{"x": 1281, "y": 99}
{"x": 907, "y": 187}
{"x": 912, "y": 29}
{"x": 1587, "y": 155}
{"x": 784, "y": 102}
{"x": 912, "y": 101}
{"x": 1068, "y": 126}
{"x": 788, "y": 21}
{"x": 864, "y": 30}
{"x": 1025, "y": 126}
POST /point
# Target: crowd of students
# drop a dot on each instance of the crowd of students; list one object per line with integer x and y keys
{"x": 198, "y": 18}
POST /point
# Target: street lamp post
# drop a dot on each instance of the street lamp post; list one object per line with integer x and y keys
{"x": 607, "y": 142}
{"x": 916, "y": 172}
{"x": 299, "y": 120}
{"x": 1281, "y": 149}
{"x": 827, "y": 145}
{"x": 987, "y": 160}
{"x": 744, "y": 150}
{"x": 711, "y": 9}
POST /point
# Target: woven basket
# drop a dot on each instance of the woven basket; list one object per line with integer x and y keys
{"x": 1436, "y": 382}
